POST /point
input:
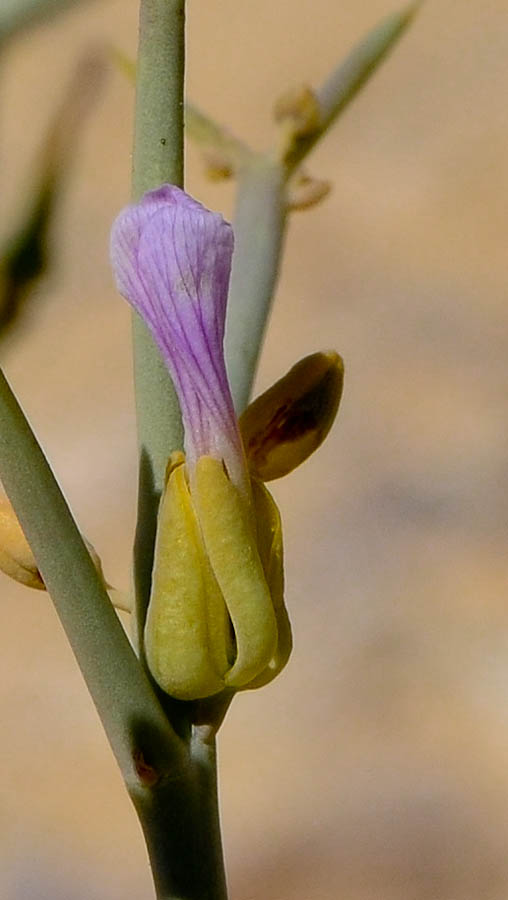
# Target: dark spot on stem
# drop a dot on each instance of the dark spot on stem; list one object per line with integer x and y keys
{"x": 145, "y": 772}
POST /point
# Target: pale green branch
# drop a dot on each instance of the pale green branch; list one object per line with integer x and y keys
{"x": 179, "y": 817}
{"x": 350, "y": 76}
{"x": 199, "y": 127}
{"x": 131, "y": 714}
{"x": 157, "y": 158}
{"x": 259, "y": 226}
{"x": 261, "y": 208}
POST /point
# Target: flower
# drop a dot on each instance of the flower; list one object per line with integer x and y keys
{"x": 216, "y": 616}
{"x": 172, "y": 261}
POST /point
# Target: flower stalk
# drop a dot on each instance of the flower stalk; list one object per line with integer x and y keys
{"x": 179, "y": 816}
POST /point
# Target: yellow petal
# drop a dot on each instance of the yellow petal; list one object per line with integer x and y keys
{"x": 283, "y": 426}
{"x": 186, "y": 611}
{"x": 271, "y": 554}
{"x": 231, "y": 548}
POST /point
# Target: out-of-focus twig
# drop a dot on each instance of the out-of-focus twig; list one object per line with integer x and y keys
{"x": 18, "y": 15}
{"x": 27, "y": 256}
{"x": 264, "y": 197}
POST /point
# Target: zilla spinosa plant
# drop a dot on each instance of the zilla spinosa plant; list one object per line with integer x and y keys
{"x": 208, "y": 609}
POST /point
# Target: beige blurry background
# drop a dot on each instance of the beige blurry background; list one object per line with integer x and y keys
{"x": 376, "y": 767}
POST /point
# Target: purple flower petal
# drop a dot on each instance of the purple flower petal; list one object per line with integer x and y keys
{"x": 172, "y": 261}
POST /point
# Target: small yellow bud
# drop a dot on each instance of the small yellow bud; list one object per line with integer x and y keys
{"x": 16, "y": 559}
{"x": 283, "y": 426}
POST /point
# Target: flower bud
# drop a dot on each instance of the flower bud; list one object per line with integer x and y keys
{"x": 216, "y": 618}
{"x": 216, "y": 605}
{"x": 283, "y": 426}
{"x": 16, "y": 558}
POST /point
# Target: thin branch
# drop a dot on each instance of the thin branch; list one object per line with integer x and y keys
{"x": 17, "y": 15}
{"x": 350, "y": 76}
{"x": 262, "y": 207}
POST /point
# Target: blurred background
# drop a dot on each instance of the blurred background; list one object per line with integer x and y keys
{"x": 376, "y": 766}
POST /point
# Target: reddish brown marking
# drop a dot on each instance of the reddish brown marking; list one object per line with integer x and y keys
{"x": 146, "y": 773}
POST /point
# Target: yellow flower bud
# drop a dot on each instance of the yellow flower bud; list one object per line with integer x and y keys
{"x": 16, "y": 559}
{"x": 216, "y": 615}
{"x": 283, "y": 426}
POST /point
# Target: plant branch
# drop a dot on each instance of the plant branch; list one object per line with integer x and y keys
{"x": 180, "y": 821}
{"x": 261, "y": 210}
{"x": 259, "y": 226}
{"x": 178, "y": 815}
{"x": 16, "y": 15}
{"x": 158, "y": 158}
{"x": 350, "y": 76}
{"x": 131, "y": 714}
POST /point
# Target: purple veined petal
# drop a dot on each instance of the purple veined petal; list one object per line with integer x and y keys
{"x": 172, "y": 261}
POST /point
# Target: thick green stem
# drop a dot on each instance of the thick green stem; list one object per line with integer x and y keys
{"x": 259, "y": 225}
{"x": 178, "y": 815}
{"x": 180, "y": 822}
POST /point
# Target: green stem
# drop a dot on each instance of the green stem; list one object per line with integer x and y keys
{"x": 178, "y": 815}
{"x": 180, "y": 822}
{"x": 132, "y": 717}
{"x": 204, "y": 759}
{"x": 259, "y": 225}
{"x": 157, "y": 158}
